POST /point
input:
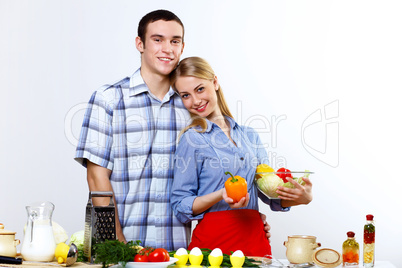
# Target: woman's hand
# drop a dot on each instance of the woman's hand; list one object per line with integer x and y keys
{"x": 242, "y": 203}
{"x": 301, "y": 194}
{"x": 267, "y": 227}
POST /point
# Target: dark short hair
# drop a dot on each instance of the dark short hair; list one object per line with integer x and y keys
{"x": 153, "y": 16}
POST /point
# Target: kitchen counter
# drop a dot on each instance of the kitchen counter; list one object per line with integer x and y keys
{"x": 378, "y": 264}
{"x": 49, "y": 264}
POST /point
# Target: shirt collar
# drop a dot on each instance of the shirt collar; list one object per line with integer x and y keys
{"x": 231, "y": 121}
{"x": 137, "y": 85}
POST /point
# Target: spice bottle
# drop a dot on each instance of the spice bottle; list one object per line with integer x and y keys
{"x": 369, "y": 242}
{"x": 350, "y": 250}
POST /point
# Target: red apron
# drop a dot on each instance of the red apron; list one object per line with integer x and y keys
{"x": 232, "y": 230}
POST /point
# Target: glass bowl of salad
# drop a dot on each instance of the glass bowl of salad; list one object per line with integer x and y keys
{"x": 268, "y": 181}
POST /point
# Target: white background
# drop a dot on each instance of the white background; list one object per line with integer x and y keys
{"x": 318, "y": 79}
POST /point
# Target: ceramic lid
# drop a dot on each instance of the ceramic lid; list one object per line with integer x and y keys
{"x": 5, "y": 232}
{"x": 327, "y": 258}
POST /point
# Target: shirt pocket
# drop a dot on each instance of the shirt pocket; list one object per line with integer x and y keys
{"x": 210, "y": 172}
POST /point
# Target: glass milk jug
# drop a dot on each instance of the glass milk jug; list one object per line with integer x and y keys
{"x": 39, "y": 243}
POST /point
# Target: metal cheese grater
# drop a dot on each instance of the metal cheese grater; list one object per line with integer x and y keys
{"x": 99, "y": 223}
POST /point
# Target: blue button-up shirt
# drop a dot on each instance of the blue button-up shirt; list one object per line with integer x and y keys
{"x": 131, "y": 132}
{"x": 202, "y": 159}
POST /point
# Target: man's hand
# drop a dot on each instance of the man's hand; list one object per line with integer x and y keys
{"x": 99, "y": 180}
{"x": 267, "y": 227}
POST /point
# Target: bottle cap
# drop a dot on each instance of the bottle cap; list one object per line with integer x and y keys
{"x": 350, "y": 234}
{"x": 369, "y": 217}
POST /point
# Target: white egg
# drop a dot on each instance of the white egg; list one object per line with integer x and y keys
{"x": 181, "y": 251}
{"x": 216, "y": 252}
{"x": 238, "y": 253}
{"x": 196, "y": 252}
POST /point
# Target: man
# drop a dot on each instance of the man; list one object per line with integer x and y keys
{"x": 128, "y": 138}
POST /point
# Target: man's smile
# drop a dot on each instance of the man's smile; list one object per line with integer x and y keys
{"x": 165, "y": 59}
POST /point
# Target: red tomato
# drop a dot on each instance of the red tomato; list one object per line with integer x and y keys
{"x": 285, "y": 174}
{"x": 166, "y": 253}
{"x": 141, "y": 258}
{"x": 146, "y": 251}
{"x": 158, "y": 255}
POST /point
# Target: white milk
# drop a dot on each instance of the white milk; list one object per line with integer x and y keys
{"x": 43, "y": 244}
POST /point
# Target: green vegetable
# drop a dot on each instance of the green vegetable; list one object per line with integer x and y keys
{"x": 300, "y": 180}
{"x": 268, "y": 183}
{"x": 369, "y": 228}
{"x": 78, "y": 239}
{"x": 114, "y": 252}
{"x": 248, "y": 262}
{"x": 60, "y": 235}
{"x": 81, "y": 256}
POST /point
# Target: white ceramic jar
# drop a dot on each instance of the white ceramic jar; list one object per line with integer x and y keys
{"x": 300, "y": 248}
{"x": 8, "y": 243}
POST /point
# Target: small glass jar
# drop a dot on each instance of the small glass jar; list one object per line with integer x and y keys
{"x": 350, "y": 250}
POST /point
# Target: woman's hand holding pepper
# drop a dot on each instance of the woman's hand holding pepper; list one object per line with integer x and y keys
{"x": 242, "y": 203}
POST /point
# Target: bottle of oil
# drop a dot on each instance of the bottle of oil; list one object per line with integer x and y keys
{"x": 369, "y": 242}
{"x": 350, "y": 250}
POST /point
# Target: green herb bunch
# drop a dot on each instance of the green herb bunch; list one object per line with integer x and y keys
{"x": 81, "y": 256}
{"x": 114, "y": 252}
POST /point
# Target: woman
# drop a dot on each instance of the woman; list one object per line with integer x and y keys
{"x": 211, "y": 145}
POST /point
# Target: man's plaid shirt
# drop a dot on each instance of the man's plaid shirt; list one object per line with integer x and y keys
{"x": 129, "y": 131}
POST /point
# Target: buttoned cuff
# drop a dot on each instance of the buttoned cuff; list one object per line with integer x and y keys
{"x": 184, "y": 211}
{"x": 275, "y": 204}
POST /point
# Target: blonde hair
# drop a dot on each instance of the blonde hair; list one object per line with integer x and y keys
{"x": 199, "y": 68}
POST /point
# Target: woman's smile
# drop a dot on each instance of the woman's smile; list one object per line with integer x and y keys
{"x": 201, "y": 108}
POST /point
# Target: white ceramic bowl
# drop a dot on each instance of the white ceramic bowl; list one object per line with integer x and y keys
{"x": 149, "y": 264}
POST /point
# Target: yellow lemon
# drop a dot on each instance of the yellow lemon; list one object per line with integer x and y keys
{"x": 237, "y": 261}
{"x": 182, "y": 259}
{"x": 263, "y": 168}
{"x": 61, "y": 252}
